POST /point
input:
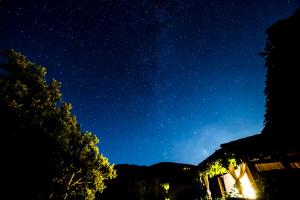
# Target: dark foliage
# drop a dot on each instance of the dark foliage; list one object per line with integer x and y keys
{"x": 282, "y": 54}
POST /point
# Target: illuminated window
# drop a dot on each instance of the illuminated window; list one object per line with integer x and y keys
{"x": 295, "y": 165}
{"x": 269, "y": 166}
{"x": 247, "y": 189}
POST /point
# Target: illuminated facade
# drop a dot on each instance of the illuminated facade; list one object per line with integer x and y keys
{"x": 264, "y": 171}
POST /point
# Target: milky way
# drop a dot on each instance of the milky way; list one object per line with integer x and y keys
{"x": 154, "y": 80}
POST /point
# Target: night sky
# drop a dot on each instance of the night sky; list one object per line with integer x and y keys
{"x": 160, "y": 80}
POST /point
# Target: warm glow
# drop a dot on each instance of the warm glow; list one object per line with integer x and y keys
{"x": 269, "y": 166}
{"x": 295, "y": 165}
{"x": 248, "y": 191}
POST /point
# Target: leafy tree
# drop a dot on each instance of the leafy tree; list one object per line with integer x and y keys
{"x": 45, "y": 154}
{"x": 282, "y": 55}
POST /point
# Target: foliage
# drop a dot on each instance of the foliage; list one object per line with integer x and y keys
{"x": 59, "y": 160}
{"x": 166, "y": 186}
{"x": 214, "y": 169}
{"x": 282, "y": 78}
{"x": 218, "y": 163}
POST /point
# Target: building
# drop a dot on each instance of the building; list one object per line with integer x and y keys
{"x": 254, "y": 167}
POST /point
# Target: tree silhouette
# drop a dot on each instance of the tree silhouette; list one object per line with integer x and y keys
{"x": 282, "y": 55}
{"x": 45, "y": 154}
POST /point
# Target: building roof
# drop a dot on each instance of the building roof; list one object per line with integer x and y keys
{"x": 252, "y": 147}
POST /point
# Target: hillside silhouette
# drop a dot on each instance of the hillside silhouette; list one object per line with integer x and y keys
{"x": 145, "y": 182}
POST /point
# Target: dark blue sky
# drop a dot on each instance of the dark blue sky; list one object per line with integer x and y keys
{"x": 163, "y": 80}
